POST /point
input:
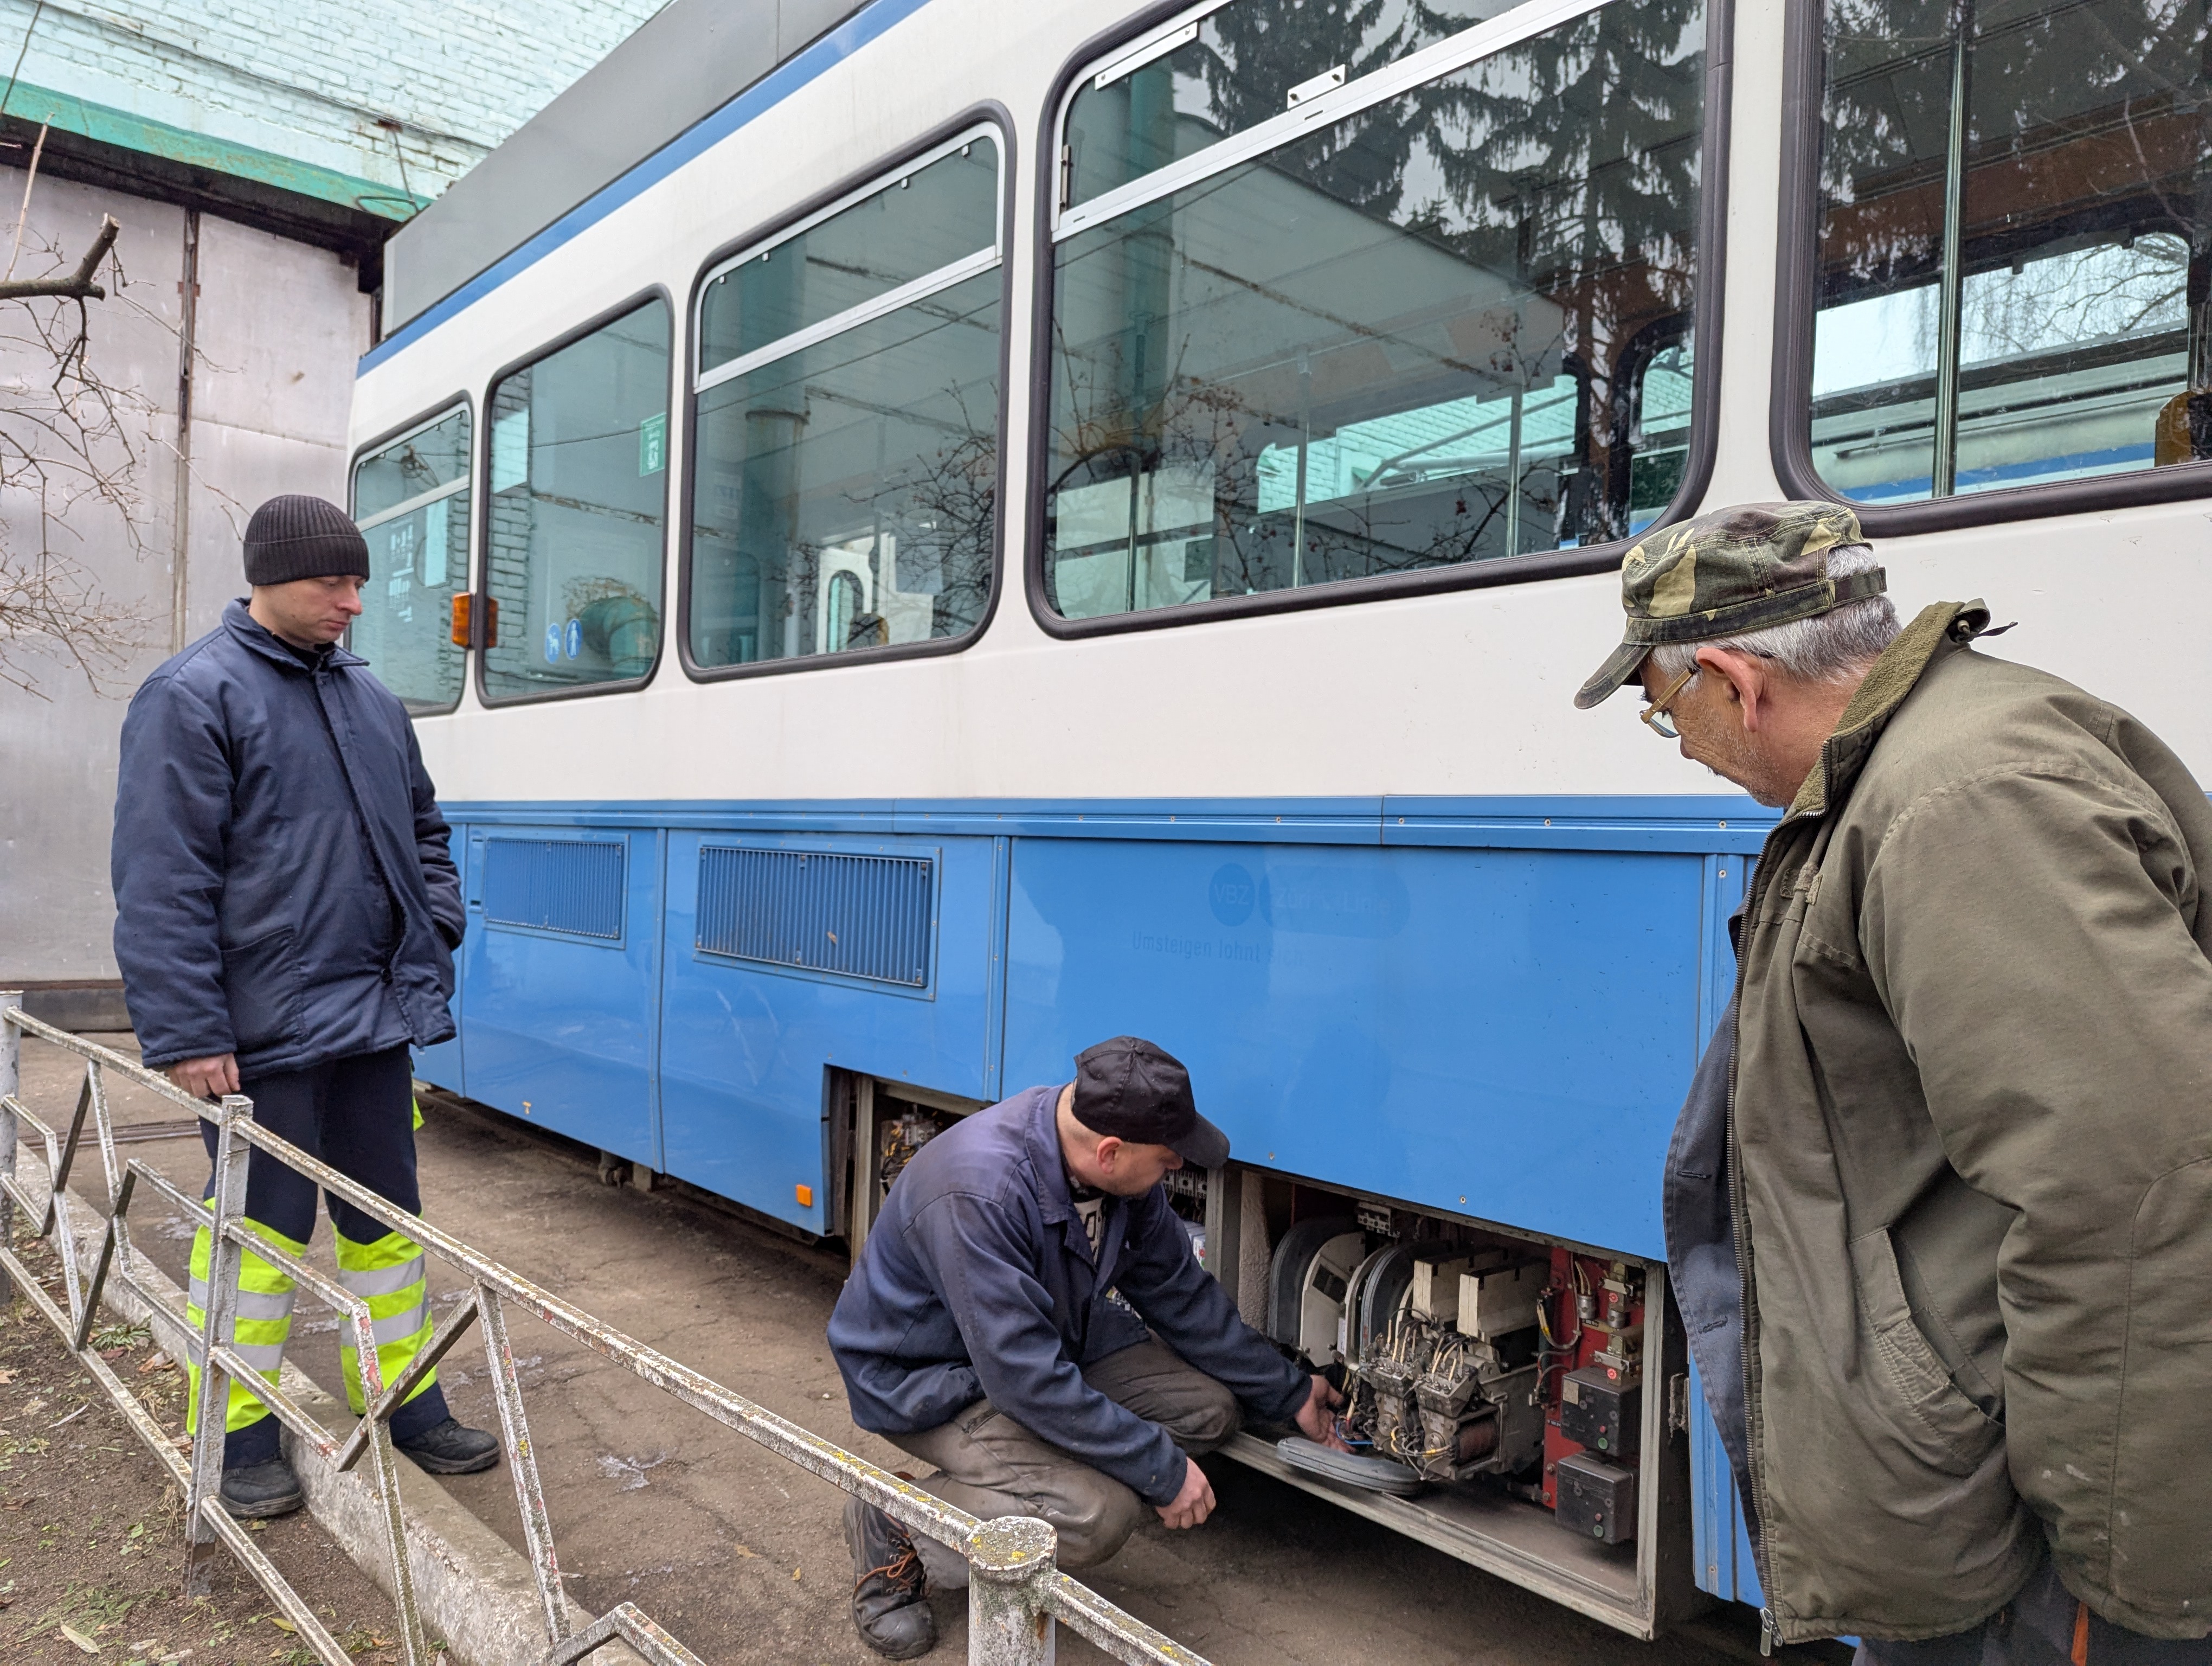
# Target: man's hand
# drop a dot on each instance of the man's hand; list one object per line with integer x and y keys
{"x": 206, "y": 1079}
{"x": 1316, "y": 1417}
{"x": 1193, "y": 1503}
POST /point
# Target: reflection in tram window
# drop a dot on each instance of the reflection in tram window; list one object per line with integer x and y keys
{"x": 1450, "y": 326}
{"x": 578, "y": 485}
{"x": 1232, "y": 70}
{"x": 411, "y": 500}
{"x": 2064, "y": 334}
{"x": 846, "y": 489}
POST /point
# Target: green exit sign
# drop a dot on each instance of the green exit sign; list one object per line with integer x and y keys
{"x": 653, "y": 444}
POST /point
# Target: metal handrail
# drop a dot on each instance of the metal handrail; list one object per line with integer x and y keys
{"x": 1017, "y": 1593}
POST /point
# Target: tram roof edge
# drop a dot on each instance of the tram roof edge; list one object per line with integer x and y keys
{"x": 685, "y": 62}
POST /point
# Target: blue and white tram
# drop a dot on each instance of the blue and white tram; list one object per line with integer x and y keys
{"x": 1009, "y": 532}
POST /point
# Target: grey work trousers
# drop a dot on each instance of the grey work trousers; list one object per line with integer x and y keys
{"x": 989, "y": 1465}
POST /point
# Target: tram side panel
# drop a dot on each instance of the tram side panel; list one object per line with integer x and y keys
{"x": 442, "y": 1066}
{"x": 560, "y": 980}
{"x": 1497, "y": 1033}
{"x": 790, "y": 955}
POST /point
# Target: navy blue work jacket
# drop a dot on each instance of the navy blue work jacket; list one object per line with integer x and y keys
{"x": 1701, "y": 1251}
{"x": 284, "y": 887}
{"x": 978, "y": 1281}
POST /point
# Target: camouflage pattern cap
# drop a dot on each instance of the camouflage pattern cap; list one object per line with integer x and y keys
{"x": 1723, "y": 574}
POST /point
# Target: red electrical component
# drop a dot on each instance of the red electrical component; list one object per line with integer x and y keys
{"x": 1593, "y": 1316}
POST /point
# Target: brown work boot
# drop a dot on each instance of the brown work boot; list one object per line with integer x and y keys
{"x": 888, "y": 1605}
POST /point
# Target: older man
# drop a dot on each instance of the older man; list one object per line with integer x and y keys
{"x": 997, "y": 1328}
{"x": 1939, "y": 1209}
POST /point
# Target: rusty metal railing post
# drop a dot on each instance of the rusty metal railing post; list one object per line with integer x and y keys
{"x": 211, "y": 1400}
{"x": 11, "y": 1053}
{"x": 1012, "y": 1561}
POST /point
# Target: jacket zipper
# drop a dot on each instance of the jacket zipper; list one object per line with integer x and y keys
{"x": 1770, "y": 1629}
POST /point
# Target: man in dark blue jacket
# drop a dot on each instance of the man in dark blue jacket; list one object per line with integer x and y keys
{"x": 1027, "y": 1316}
{"x": 286, "y": 915}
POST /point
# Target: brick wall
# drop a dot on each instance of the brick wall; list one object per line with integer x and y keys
{"x": 309, "y": 79}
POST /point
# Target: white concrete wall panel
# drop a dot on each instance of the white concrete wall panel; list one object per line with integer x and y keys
{"x": 279, "y": 327}
{"x": 59, "y": 742}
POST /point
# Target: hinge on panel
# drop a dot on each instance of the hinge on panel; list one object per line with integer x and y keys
{"x": 1066, "y": 174}
{"x": 1678, "y": 1403}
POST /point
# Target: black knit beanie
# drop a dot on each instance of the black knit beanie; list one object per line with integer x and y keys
{"x": 294, "y": 536}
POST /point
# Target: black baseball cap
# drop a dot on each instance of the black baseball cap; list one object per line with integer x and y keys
{"x": 1132, "y": 1090}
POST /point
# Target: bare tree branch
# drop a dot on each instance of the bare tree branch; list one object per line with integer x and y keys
{"x": 71, "y": 447}
{"x": 78, "y": 286}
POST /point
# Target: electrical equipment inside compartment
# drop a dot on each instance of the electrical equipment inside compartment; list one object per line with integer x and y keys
{"x": 900, "y": 1132}
{"x": 1469, "y": 1359}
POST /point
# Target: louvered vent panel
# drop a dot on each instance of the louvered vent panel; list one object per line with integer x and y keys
{"x": 821, "y": 911}
{"x": 573, "y": 885}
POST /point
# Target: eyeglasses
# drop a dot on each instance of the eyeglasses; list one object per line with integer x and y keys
{"x": 1656, "y": 714}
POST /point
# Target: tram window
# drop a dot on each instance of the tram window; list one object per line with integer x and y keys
{"x": 927, "y": 217}
{"x": 2065, "y": 335}
{"x": 411, "y": 500}
{"x": 1452, "y": 325}
{"x": 1230, "y": 68}
{"x": 574, "y": 538}
{"x": 846, "y": 492}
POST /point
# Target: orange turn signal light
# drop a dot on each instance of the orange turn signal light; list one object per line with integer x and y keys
{"x": 804, "y": 1195}
{"x": 461, "y": 611}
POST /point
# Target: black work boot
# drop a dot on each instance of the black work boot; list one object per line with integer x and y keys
{"x": 887, "y": 1584}
{"x": 451, "y": 1448}
{"x": 256, "y": 1490}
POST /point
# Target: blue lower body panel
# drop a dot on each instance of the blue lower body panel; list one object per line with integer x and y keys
{"x": 1490, "y": 1007}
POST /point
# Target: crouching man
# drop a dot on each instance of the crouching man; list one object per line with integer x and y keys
{"x": 996, "y": 1326}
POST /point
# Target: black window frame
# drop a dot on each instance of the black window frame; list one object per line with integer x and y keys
{"x": 460, "y": 400}
{"x": 479, "y": 607}
{"x": 1789, "y": 400}
{"x": 987, "y": 112}
{"x": 1708, "y": 297}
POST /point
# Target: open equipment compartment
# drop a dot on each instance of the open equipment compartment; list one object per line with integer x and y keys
{"x": 1532, "y": 1393}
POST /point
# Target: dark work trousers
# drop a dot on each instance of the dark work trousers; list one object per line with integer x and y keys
{"x": 358, "y": 1116}
{"x": 2044, "y": 1626}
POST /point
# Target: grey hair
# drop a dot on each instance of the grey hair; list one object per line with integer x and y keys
{"x": 1828, "y": 648}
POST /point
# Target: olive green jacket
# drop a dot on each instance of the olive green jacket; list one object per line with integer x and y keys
{"x": 1971, "y": 1158}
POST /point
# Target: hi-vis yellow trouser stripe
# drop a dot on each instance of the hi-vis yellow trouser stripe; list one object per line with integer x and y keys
{"x": 388, "y": 1275}
{"x": 264, "y": 1322}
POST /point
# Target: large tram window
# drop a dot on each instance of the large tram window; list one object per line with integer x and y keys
{"x": 410, "y": 499}
{"x": 846, "y": 493}
{"x": 574, "y": 538}
{"x": 1450, "y": 326}
{"x": 2012, "y": 285}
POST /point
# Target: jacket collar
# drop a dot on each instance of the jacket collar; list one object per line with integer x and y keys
{"x": 257, "y": 636}
{"x": 1940, "y": 629}
{"x": 1042, "y": 1135}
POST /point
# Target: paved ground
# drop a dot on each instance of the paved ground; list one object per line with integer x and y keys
{"x": 738, "y": 1553}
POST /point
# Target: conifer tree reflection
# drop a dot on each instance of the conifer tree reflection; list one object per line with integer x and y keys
{"x": 1558, "y": 179}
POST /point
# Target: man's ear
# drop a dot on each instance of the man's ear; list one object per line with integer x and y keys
{"x": 1110, "y": 1149}
{"x": 1743, "y": 680}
